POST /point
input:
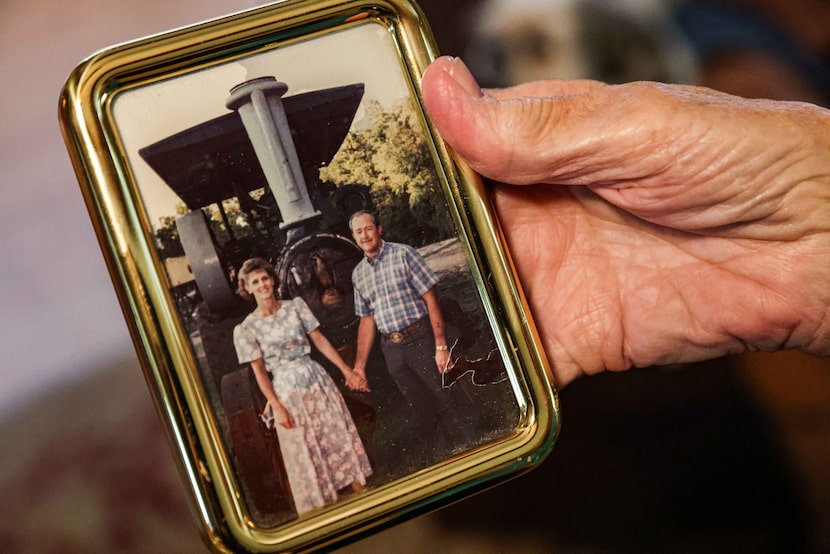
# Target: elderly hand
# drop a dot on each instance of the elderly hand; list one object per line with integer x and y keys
{"x": 653, "y": 224}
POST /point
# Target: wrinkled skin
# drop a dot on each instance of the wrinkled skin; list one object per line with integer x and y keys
{"x": 652, "y": 224}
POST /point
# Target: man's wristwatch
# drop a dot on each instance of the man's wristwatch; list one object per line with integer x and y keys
{"x": 441, "y": 347}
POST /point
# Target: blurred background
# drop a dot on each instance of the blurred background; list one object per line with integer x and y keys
{"x": 730, "y": 455}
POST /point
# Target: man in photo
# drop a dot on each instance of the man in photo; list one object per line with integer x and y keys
{"x": 394, "y": 291}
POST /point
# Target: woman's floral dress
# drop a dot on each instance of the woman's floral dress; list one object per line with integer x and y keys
{"x": 322, "y": 452}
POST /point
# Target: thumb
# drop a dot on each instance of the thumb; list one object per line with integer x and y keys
{"x": 518, "y": 135}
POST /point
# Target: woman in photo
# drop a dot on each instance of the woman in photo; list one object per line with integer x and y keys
{"x": 321, "y": 450}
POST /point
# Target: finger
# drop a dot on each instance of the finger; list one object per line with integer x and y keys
{"x": 544, "y": 89}
{"x": 563, "y": 132}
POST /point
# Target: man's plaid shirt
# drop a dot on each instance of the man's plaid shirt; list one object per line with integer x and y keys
{"x": 392, "y": 286}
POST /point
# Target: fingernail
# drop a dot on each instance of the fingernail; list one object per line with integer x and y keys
{"x": 461, "y": 75}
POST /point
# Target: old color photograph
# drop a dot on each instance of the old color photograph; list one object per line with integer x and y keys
{"x": 340, "y": 334}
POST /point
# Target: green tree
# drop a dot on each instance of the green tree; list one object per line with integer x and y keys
{"x": 167, "y": 234}
{"x": 392, "y": 156}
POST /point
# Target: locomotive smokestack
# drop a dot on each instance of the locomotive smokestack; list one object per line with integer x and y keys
{"x": 259, "y": 104}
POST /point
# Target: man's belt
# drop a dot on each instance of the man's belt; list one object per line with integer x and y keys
{"x": 399, "y": 336}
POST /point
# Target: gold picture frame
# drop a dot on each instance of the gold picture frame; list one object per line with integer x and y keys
{"x": 258, "y": 135}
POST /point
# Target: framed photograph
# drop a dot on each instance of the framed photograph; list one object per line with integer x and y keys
{"x": 318, "y": 292}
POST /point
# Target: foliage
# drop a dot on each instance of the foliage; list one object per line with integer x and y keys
{"x": 167, "y": 234}
{"x": 391, "y": 155}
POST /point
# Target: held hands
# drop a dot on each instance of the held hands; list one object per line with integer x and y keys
{"x": 655, "y": 224}
{"x": 356, "y": 380}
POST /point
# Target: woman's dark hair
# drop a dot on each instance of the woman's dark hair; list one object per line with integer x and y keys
{"x": 250, "y": 265}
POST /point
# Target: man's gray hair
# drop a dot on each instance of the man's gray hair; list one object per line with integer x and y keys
{"x": 364, "y": 212}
